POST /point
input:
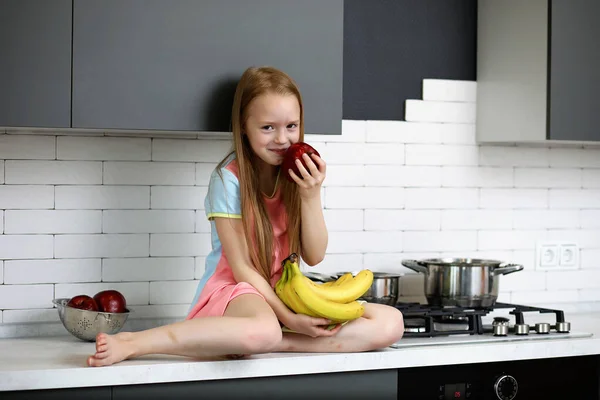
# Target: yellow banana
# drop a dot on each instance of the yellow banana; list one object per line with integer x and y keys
{"x": 336, "y": 312}
{"x": 347, "y": 276}
{"x": 349, "y": 290}
{"x": 280, "y": 287}
{"x": 295, "y": 303}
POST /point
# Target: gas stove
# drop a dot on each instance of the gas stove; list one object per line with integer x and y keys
{"x": 421, "y": 320}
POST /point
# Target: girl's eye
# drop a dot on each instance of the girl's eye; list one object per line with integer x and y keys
{"x": 292, "y": 126}
{"x": 267, "y": 127}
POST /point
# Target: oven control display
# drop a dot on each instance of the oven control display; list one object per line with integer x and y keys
{"x": 453, "y": 391}
{"x": 506, "y": 387}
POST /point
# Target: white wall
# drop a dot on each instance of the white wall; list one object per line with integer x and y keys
{"x": 82, "y": 213}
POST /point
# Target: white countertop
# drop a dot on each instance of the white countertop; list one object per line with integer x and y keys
{"x": 59, "y": 361}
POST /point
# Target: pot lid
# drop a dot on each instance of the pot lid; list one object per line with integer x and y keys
{"x": 463, "y": 262}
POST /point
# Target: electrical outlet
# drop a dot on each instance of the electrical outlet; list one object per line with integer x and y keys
{"x": 569, "y": 256}
{"x": 557, "y": 256}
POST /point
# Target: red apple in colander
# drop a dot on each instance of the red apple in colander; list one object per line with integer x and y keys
{"x": 293, "y": 153}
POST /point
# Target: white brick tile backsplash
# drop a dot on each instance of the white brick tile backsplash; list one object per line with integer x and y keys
{"x": 190, "y": 150}
{"x": 589, "y": 295}
{"x": 53, "y": 221}
{"x": 26, "y": 196}
{"x": 402, "y": 132}
{"x": 512, "y": 240}
{"x": 524, "y": 257}
{"x": 402, "y": 220}
{"x": 342, "y": 153}
{"x": 102, "y": 197}
{"x": 102, "y": 245}
{"x": 147, "y": 269}
{"x": 449, "y": 90}
{"x": 178, "y": 197}
{"x": 15, "y": 297}
{"x": 202, "y": 224}
{"x": 333, "y": 263}
{"x": 546, "y": 219}
{"x": 349, "y": 197}
{"x": 26, "y": 246}
{"x": 591, "y": 178}
{"x": 548, "y": 177}
{"x": 490, "y": 177}
{"x": 1, "y": 171}
{"x": 183, "y": 245}
{"x": 1, "y": 272}
{"x": 441, "y": 198}
{"x": 178, "y": 311}
{"x": 353, "y": 131}
{"x": 53, "y": 172}
{"x": 52, "y": 271}
{"x": 30, "y": 316}
{"x": 574, "y": 158}
{"x": 502, "y": 156}
{"x": 200, "y": 266}
{"x": 173, "y": 292}
{"x": 102, "y": 148}
{"x": 148, "y": 173}
{"x": 147, "y": 221}
{"x": 134, "y": 292}
{"x": 523, "y": 281}
{"x": 589, "y": 258}
{"x": 586, "y": 279}
{"x": 439, "y": 111}
{"x": 388, "y": 262}
{"x": 440, "y": 241}
{"x": 427, "y": 154}
{"x": 453, "y": 220}
{"x": 345, "y": 175}
{"x": 402, "y": 176}
{"x": 544, "y": 297}
{"x": 203, "y": 172}
{"x": 1, "y": 221}
{"x": 384, "y": 153}
{"x": 344, "y": 220}
{"x": 584, "y": 238}
{"x": 25, "y": 147}
{"x": 513, "y": 198}
{"x": 569, "y": 198}
{"x": 364, "y": 242}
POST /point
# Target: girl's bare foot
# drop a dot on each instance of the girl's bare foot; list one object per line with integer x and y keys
{"x": 111, "y": 349}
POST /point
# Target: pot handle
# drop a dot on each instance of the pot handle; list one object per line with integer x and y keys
{"x": 507, "y": 269}
{"x": 415, "y": 266}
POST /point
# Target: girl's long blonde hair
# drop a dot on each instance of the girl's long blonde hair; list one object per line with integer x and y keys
{"x": 257, "y": 81}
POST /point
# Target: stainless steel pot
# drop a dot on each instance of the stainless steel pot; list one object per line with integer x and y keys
{"x": 462, "y": 282}
{"x": 383, "y": 290}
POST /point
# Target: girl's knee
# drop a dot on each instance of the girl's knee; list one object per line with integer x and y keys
{"x": 262, "y": 335}
{"x": 390, "y": 327}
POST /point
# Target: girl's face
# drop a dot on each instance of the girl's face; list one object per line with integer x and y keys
{"x": 273, "y": 124}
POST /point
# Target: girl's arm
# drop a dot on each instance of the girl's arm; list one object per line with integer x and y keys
{"x": 314, "y": 236}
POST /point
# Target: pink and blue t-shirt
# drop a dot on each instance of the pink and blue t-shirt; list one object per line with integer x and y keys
{"x": 217, "y": 287}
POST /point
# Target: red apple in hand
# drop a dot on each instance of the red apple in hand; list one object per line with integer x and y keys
{"x": 83, "y": 302}
{"x": 294, "y": 152}
{"x": 110, "y": 301}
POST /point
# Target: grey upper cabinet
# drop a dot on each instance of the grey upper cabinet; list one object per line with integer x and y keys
{"x": 538, "y": 71}
{"x": 35, "y": 70}
{"x": 574, "y": 99}
{"x": 174, "y": 64}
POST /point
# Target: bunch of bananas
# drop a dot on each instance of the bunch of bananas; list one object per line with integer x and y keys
{"x": 334, "y": 300}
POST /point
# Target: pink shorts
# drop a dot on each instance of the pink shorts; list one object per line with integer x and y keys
{"x": 217, "y": 301}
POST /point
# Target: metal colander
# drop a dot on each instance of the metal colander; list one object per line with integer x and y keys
{"x": 85, "y": 325}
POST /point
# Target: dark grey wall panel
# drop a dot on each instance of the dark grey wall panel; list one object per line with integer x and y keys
{"x": 348, "y": 385}
{"x": 155, "y": 64}
{"x": 35, "y": 66}
{"x": 574, "y": 102}
{"x": 390, "y": 46}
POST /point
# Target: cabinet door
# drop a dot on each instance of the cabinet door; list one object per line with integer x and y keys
{"x": 173, "y": 65}
{"x": 574, "y": 103}
{"x": 91, "y": 393}
{"x": 348, "y": 385}
{"x": 35, "y": 66}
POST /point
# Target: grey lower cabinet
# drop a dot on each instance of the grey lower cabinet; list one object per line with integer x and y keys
{"x": 92, "y": 393}
{"x": 348, "y": 385}
{"x": 173, "y": 65}
{"x": 35, "y": 66}
{"x": 538, "y": 71}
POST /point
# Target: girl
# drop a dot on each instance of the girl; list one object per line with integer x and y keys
{"x": 258, "y": 218}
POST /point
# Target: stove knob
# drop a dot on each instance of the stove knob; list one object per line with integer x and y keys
{"x": 563, "y": 327}
{"x": 521, "y": 329}
{"x": 506, "y": 387}
{"x": 542, "y": 327}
